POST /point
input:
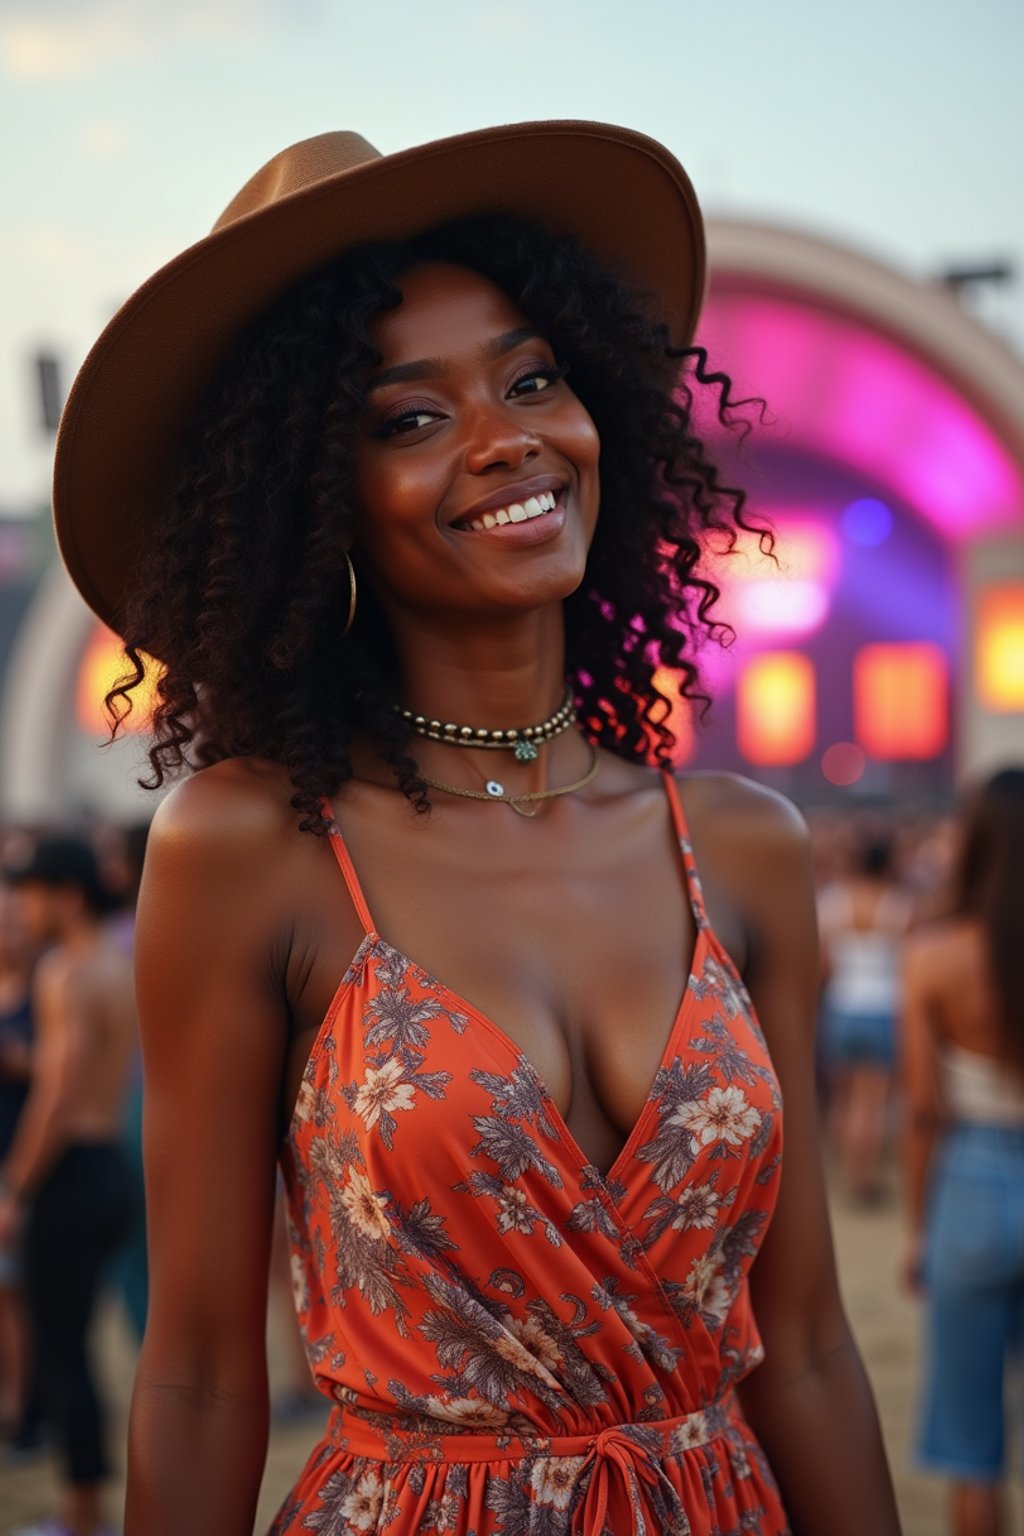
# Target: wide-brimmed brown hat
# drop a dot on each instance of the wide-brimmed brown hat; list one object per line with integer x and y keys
{"x": 622, "y": 194}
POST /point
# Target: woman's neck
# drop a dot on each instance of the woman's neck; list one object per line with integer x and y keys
{"x": 500, "y": 676}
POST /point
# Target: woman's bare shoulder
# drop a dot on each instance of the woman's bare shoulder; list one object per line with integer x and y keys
{"x": 230, "y": 802}
{"x": 752, "y": 848}
{"x": 227, "y": 825}
{"x": 942, "y": 944}
{"x": 747, "y": 819}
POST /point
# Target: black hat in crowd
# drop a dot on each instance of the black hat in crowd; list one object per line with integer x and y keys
{"x": 64, "y": 861}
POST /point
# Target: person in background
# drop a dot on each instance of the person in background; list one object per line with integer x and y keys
{"x": 16, "y": 1426}
{"x": 863, "y": 919}
{"x": 129, "y": 1271}
{"x": 928, "y": 863}
{"x": 65, "y": 1176}
{"x": 963, "y": 1061}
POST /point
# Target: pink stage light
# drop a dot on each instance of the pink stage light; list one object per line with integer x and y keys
{"x": 779, "y": 608}
{"x": 843, "y": 763}
{"x": 786, "y": 596}
{"x": 853, "y": 396}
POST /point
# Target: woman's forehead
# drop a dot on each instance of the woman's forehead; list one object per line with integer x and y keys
{"x": 445, "y": 308}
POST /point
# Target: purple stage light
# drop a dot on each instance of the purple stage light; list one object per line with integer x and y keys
{"x": 866, "y": 522}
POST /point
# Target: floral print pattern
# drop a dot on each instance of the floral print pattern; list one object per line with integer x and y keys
{"x": 515, "y": 1343}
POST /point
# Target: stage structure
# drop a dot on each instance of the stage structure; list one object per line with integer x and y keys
{"x": 884, "y": 654}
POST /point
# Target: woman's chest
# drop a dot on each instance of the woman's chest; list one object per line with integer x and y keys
{"x": 579, "y": 962}
{"x": 427, "y": 1097}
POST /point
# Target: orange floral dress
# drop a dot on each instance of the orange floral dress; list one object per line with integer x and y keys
{"x": 514, "y": 1342}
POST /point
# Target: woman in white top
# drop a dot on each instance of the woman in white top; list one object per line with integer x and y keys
{"x": 964, "y": 1071}
{"x": 863, "y": 919}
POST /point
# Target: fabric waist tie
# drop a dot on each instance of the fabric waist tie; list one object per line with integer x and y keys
{"x": 616, "y": 1454}
{"x": 630, "y": 1454}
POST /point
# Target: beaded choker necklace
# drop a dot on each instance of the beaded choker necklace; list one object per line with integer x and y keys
{"x": 522, "y": 740}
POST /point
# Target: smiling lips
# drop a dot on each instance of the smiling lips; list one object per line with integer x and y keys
{"x": 516, "y": 512}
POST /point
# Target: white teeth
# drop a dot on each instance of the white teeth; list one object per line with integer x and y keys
{"x": 534, "y": 506}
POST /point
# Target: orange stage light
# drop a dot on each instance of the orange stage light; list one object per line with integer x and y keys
{"x": 999, "y": 648}
{"x": 900, "y": 700}
{"x": 775, "y": 707}
{"x": 680, "y": 716}
{"x": 101, "y": 666}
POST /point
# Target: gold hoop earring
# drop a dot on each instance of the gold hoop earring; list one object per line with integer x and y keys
{"x": 351, "y": 595}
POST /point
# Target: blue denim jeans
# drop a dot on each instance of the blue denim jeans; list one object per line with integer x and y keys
{"x": 974, "y": 1282}
{"x": 858, "y": 1039}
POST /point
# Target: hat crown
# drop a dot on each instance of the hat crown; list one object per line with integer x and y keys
{"x": 298, "y": 166}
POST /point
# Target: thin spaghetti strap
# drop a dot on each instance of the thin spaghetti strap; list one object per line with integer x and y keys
{"x": 348, "y": 869}
{"x": 693, "y": 886}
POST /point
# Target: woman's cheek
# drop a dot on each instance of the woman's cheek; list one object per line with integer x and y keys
{"x": 392, "y": 492}
{"x": 580, "y": 440}
{"x": 585, "y": 452}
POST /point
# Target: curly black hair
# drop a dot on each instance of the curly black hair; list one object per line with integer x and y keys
{"x": 988, "y": 885}
{"x": 241, "y": 591}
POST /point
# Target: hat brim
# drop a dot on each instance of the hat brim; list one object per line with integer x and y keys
{"x": 621, "y": 193}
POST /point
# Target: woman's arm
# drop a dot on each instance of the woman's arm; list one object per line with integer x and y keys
{"x": 213, "y": 1038}
{"x": 809, "y": 1402}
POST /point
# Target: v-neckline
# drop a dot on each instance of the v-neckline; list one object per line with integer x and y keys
{"x": 372, "y": 936}
{"x": 432, "y": 983}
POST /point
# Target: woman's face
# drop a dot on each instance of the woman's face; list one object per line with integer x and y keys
{"x": 477, "y": 466}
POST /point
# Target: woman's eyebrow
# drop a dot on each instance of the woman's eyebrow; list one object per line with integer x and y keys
{"x": 432, "y": 367}
{"x": 502, "y": 344}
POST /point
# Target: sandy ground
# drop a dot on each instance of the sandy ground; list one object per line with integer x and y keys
{"x": 884, "y": 1320}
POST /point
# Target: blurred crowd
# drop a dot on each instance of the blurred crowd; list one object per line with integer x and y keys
{"x": 921, "y": 1045}
{"x": 71, "y": 1192}
{"x": 72, "y": 1203}
{"x": 880, "y": 875}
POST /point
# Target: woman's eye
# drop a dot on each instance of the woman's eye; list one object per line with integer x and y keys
{"x": 537, "y": 380}
{"x": 408, "y": 421}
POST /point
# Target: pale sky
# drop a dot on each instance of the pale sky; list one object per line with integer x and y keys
{"x": 128, "y": 125}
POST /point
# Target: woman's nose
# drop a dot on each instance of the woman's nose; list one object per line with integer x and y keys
{"x": 496, "y": 438}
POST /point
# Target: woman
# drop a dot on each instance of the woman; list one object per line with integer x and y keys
{"x": 436, "y": 499}
{"x": 964, "y": 1062}
{"x": 863, "y": 919}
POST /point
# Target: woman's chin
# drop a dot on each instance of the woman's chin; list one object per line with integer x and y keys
{"x": 544, "y": 583}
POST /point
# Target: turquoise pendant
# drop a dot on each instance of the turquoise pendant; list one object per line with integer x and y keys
{"x": 525, "y": 751}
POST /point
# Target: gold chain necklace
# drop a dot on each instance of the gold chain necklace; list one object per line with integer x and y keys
{"x": 522, "y": 740}
{"x": 496, "y": 792}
